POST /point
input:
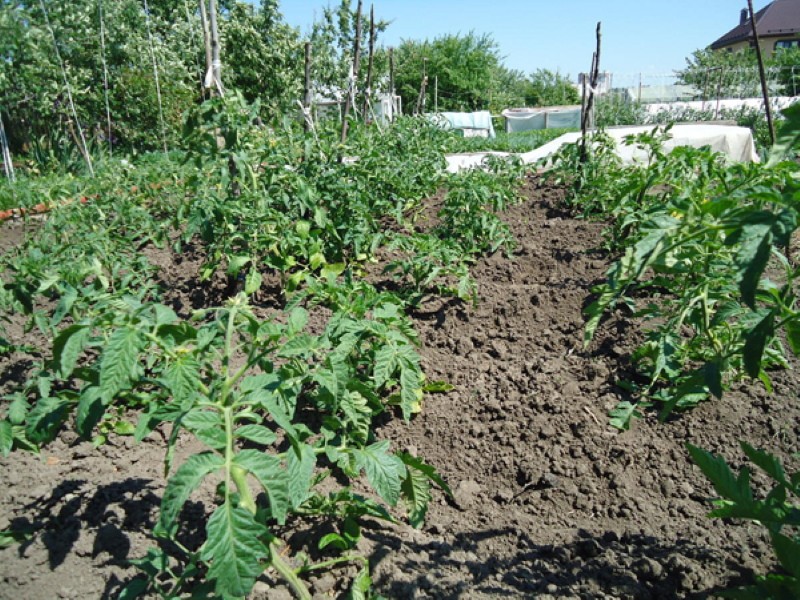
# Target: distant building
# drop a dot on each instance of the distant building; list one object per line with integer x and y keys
{"x": 778, "y": 26}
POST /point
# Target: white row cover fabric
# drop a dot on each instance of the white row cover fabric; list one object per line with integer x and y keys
{"x": 777, "y": 103}
{"x": 552, "y": 117}
{"x": 734, "y": 142}
{"x": 469, "y": 123}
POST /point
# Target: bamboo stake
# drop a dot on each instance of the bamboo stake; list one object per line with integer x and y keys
{"x": 216, "y": 62}
{"x": 84, "y": 149}
{"x": 105, "y": 73}
{"x": 208, "y": 74}
{"x": 761, "y": 73}
{"x": 424, "y": 84}
{"x": 307, "y": 122}
{"x": 351, "y": 91}
{"x": 155, "y": 76}
{"x": 8, "y": 164}
{"x": 368, "y": 91}
{"x": 595, "y": 73}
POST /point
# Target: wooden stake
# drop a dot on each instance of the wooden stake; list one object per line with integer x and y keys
{"x": 368, "y": 91}
{"x": 206, "y": 45}
{"x": 351, "y": 91}
{"x": 595, "y": 74}
{"x": 216, "y": 62}
{"x": 424, "y": 84}
{"x": 761, "y": 73}
{"x": 307, "y": 100}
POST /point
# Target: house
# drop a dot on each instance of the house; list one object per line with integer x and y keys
{"x": 778, "y": 26}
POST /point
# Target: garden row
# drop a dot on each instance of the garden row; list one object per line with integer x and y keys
{"x": 282, "y": 406}
{"x": 706, "y": 263}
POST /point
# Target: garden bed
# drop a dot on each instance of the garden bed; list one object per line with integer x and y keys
{"x": 548, "y": 499}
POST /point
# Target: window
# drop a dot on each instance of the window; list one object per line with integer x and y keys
{"x": 787, "y": 44}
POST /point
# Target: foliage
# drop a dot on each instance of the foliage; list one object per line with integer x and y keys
{"x": 545, "y": 88}
{"x": 775, "y": 512}
{"x": 735, "y": 74}
{"x": 285, "y": 409}
{"x": 696, "y": 236}
{"x": 467, "y": 69}
{"x": 518, "y": 142}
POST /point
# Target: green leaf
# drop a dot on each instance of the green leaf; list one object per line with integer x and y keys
{"x": 273, "y": 477}
{"x": 298, "y": 319}
{"x": 755, "y": 342}
{"x": 385, "y": 471}
{"x": 385, "y": 365}
{"x": 18, "y": 410}
{"x": 727, "y": 485}
{"x": 788, "y": 138}
{"x": 64, "y": 305}
{"x": 118, "y": 363}
{"x": 234, "y": 549}
{"x": 713, "y": 378}
{"x": 792, "y": 328}
{"x": 257, "y": 433}
{"x": 164, "y": 315}
{"x": 199, "y": 419}
{"x": 68, "y": 346}
{"x": 90, "y": 410}
{"x": 622, "y": 415}
{"x": 185, "y": 480}
{"x": 252, "y": 282}
{"x": 417, "y": 495}
{"x": 437, "y": 387}
{"x": 788, "y": 552}
{"x": 766, "y": 462}
{"x": 410, "y": 388}
{"x": 753, "y": 244}
{"x": 236, "y": 263}
{"x": 301, "y": 471}
{"x": 6, "y": 437}
{"x": 362, "y": 585}
{"x": 45, "y": 419}
{"x": 182, "y": 377}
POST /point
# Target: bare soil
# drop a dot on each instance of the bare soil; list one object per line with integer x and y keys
{"x": 549, "y": 501}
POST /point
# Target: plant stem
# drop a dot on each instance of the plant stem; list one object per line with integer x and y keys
{"x": 289, "y": 574}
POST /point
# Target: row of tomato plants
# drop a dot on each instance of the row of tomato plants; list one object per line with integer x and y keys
{"x": 706, "y": 260}
{"x": 279, "y": 408}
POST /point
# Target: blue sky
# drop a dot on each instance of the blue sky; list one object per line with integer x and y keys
{"x": 649, "y": 36}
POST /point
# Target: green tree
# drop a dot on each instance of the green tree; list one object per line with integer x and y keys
{"x": 467, "y": 68}
{"x": 262, "y": 55}
{"x": 546, "y": 88}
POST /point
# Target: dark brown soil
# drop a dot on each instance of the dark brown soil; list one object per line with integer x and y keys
{"x": 549, "y": 500}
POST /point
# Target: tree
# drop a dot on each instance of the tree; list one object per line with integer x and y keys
{"x": 545, "y": 88}
{"x": 467, "y": 69}
{"x": 263, "y": 55}
{"x": 735, "y": 74}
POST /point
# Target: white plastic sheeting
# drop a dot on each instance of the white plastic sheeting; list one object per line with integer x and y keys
{"x": 555, "y": 117}
{"x": 777, "y": 103}
{"x": 734, "y": 142}
{"x": 472, "y": 124}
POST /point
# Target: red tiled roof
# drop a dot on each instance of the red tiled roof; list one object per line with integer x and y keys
{"x": 779, "y": 18}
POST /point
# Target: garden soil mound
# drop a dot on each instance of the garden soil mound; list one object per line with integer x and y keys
{"x": 548, "y": 500}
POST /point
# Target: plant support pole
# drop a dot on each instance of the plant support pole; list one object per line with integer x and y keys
{"x": 8, "y": 165}
{"x": 761, "y": 73}
{"x": 105, "y": 74}
{"x": 155, "y": 76}
{"x": 595, "y": 74}
{"x": 351, "y": 88}
{"x": 307, "y": 100}
{"x": 216, "y": 61}
{"x": 206, "y": 80}
{"x": 368, "y": 92}
{"x": 83, "y": 147}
